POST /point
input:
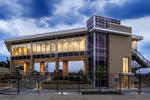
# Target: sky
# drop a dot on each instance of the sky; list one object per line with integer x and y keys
{"x": 28, "y": 17}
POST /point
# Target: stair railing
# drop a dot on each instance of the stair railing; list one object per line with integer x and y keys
{"x": 136, "y": 53}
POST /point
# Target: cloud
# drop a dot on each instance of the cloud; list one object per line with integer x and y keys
{"x": 130, "y": 9}
{"x": 38, "y": 8}
{"x": 9, "y": 9}
{"x": 141, "y": 26}
{"x": 3, "y": 50}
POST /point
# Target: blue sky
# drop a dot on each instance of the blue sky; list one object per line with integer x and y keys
{"x": 27, "y": 17}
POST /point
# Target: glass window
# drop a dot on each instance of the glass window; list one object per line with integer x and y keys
{"x": 134, "y": 45}
{"x": 43, "y": 47}
{"x": 125, "y": 64}
{"x": 47, "y": 46}
{"x": 76, "y": 44}
{"x": 16, "y": 50}
{"x": 59, "y": 45}
{"x": 29, "y": 48}
{"x": 24, "y": 47}
{"x": 64, "y": 45}
{"x": 34, "y": 48}
{"x": 13, "y": 50}
{"x": 82, "y": 43}
{"x": 70, "y": 44}
{"x": 20, "y": 49}
{"x": 53, "y": 46}
{"x": 38, "y": 47}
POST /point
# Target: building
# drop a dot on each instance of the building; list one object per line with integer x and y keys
{"x": 104, "y": 42}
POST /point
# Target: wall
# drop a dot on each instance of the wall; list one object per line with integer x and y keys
{"x": 3, "y": 70}
{"x": 119, "y": 47}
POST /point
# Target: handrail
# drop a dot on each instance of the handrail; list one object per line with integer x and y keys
{"x": 135, "y": 52}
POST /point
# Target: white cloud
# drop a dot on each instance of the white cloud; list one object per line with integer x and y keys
{"x": 3, "y": 49}
{"x": 67, "y": 6}
{"x": 141, "y": 27}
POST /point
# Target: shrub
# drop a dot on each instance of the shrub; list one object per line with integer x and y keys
{"x": 66, "y": 78}
{"x": 71, "y": 78}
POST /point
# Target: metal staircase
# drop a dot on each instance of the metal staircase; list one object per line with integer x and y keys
{"x": 137, "y": 56}
{"x": 140, "y": 59}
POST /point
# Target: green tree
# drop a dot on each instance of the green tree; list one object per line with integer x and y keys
{"x": 100, "y": 70}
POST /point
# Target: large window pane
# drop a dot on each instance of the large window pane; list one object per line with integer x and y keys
{"x": 82, "y": 43}
{"x": 20, "y": 49}
{"x": 34, "y": 48}
{"x": 43, "y": 47}
{"x": 16, "y": 50}
{"x": 76, "y": 44}
{"x": 38, "y": 47}
{"x": 64, "y": 45}
{"x": 24, "y": 46}
{"x": 29, "y": 48}
{"x": 47, "y": 46}
{"x": 53, "y": 46}
{"x": 70, "y": 44}
{"x": 13, "y": 50}
{"x": 59, "y": 45}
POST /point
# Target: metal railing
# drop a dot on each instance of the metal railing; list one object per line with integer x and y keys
{"x": 18, "y": 83}
{"x": 139, "y": 55}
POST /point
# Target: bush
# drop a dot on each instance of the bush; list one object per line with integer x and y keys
{"x": 71, "y": 78}
{"x": 77, "y": 79}
{"x": 66, "y": 78}
{"x": 60, "y": 78}
{"x": 55, "y": 78}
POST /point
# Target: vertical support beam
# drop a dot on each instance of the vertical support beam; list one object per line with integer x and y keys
{"x": 57, "y": 64}
{"x": 65, "y": 68}
{"x": 94, "y": 52}
{"x": 57, "y": 59}
{"x": 32, "y": 65}
{"x": 85, "y": 67}
{"x": 26, "y": 67}
{"x": 12, "y": 66}
{"x": 42, "y": 67}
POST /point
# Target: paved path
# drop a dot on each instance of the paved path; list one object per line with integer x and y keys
{"x": 74, "y": 97}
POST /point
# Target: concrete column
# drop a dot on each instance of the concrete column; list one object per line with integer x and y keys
{"x": 42, "y": 67}
{"x": 65, "y": 68}
{"x": 12, "y": 66}
{"x": 26, "y": 67}
{"x": 85, "y": 68}
{"x": 32, "y": 65}
{"x": 57, "y": 65}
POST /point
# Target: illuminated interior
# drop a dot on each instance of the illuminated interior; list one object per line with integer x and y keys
{"x": 49, "y": 46}
{"x": 125, "y": 64}
{"x": 134, "y": 45}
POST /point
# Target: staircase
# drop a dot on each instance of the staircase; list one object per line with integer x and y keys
{"x": 137, "y": 56}
{"x": 140, "y": 59}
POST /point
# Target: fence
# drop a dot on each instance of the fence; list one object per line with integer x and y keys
{"x": 19, "y": 83}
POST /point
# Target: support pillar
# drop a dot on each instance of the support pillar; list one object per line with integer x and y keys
{"x": 32, "y": 65}
{"x": 57, "y": 65}
{"x": 85, "y": 67}
{"x": 65, "y": 68}
{"x": 42, "y": 67}
{"x": 12, "y": 66}
{"x": 26, "y": 67}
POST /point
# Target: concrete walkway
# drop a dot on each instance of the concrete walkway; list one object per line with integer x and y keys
{"x": 74, "y": 97}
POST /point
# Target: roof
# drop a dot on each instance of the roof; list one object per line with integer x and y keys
{"x": 137, "y": 37}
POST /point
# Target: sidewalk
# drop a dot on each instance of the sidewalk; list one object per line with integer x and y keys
{"x": 73, "y": 97}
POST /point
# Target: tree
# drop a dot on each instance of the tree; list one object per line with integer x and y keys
{"x": 100, "y": 70}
